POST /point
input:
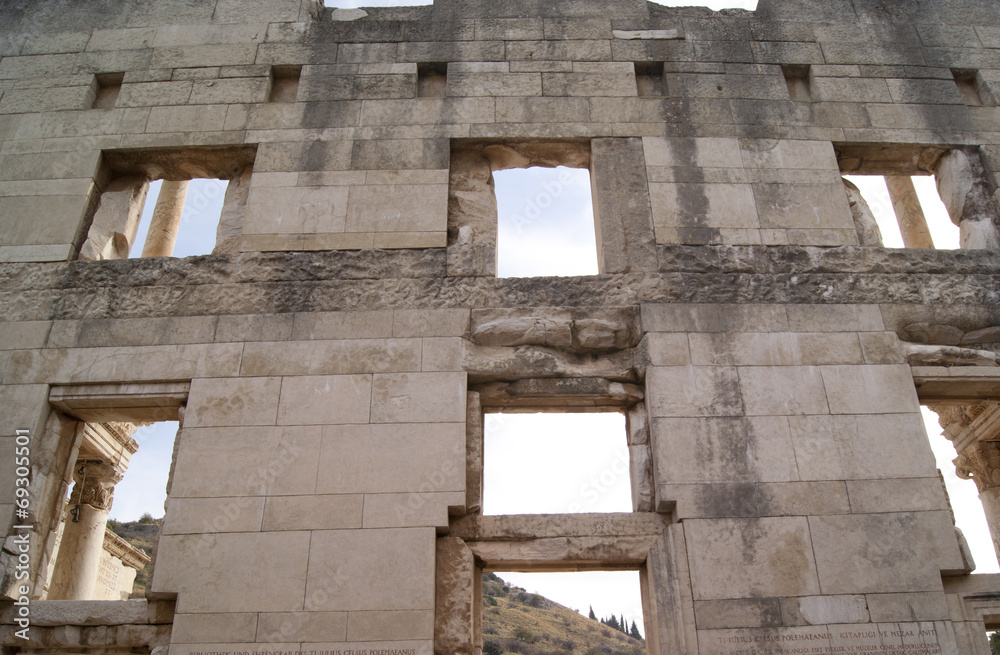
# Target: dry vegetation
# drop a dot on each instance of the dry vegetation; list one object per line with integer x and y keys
{"x": 515, "y": 621}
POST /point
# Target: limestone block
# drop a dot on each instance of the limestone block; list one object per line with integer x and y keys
{"x": 18, "y": 101}
{"x": 509, "y": 29}
{"x": 741, "y": 558}
{"x": 920, "y": 355}
{"x": 622, "y": 207}
{"x": 788, "y": 154}
{"x": 273, "y": 627}
{"x": 196, "y": 515}
{"x": 430, "y": 323}
{"x": 296, "y": 210}
{"x": 151, "y": 94}
{"x": 803, "y": 498}
{"x": 204, "y": 118}
{"x": 254, "y": 327}
{"x": 231, "y": 219}
{"x": 824, "y": 610}
{"x": 214, "y": 628}
{"x": 396, "y": 458}
{"x": 494, "y": 84}
{"x": 236, "y": 90}
{"x": 927, "y": 606}
{"x": 590, "y": 84}
{"x": 24, "y": 334}
{"x": 704, "y": 152}
{"x": 702, "y": 205}
{"x": 541, "y": 110}
{"x": 316, "y": 326}
{"x": 738, "y": 613}
{"x": 803, "y": 206}
{"x": 722, "y": 449}
{"x": 842, "y": 348}
{"x": 398, "y": 208}
{"x": 442, "y": 354}
{"x": 369, "y": 570}
{"x": 276, "y": 461}
{"x": 132, "y": 364}
{"x": 835, "y": 318}
{"x": 905, "y": 495}
{"x": 320, "y": 512}
{"x": 570, "y": 50}
{"x": 90, "y": 613}
{"x": 666, "y": 349}
{"x": 132, "y": 332}
{"x": 412, "y": 509}
{"x": 782, "y": 390}
{"x": 745, "y": 348}
{"x": 882, "y": 348}
{"x": 73, "y": 164}
{"x": 227, "y": 401}
{"x": 191, "y": 56}
{"x": 325, "y": 399}
{"x": 429, "y": 111}
{"x": 400, "y": 154}
{"x": 693, "y": 391}
{"x": 517, "y": 331}
{"x": 455, "y": 596}
{"x": 878, "y": 553}
{"x": 869, "y": 389}
{"x": 315, "y": 156}
{"x": 187, "y": 564}
{"x": 418, "y": 397}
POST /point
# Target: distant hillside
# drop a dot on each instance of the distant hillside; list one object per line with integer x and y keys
{"x": 141, "y": 534}
{"x": 515, "y": 621}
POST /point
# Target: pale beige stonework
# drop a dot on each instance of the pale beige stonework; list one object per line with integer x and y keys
{"x": 332, "y": 360}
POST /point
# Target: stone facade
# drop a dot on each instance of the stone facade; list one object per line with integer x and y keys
{"x": 332, "y": 360}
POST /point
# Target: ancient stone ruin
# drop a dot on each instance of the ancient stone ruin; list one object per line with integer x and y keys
{"x": 332, "y": 360}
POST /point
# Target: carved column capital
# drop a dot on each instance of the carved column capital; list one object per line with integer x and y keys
{"x": 95, "y": 484}
{"x": 980, "y": 463}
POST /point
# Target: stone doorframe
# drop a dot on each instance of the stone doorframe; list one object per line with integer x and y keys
{"x": 642, "y": 541}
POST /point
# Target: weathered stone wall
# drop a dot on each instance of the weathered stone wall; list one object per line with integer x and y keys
{"x": 331, "y": 361}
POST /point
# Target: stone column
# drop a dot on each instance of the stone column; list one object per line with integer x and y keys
{"x": 166, "y": 219}
{"x": 962, "y": 184}
{"x": 83, "y": 537}
{"x": 980, "y": 462}
{"x": 909, "y": 213}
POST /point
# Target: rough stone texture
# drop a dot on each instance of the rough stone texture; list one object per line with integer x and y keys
{"x": 333, "y": 358}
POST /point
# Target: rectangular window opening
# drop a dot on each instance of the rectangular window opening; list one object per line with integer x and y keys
{"x": 432, "y": 80}
{"x": 120, "y": 484}
{"x": 966, "y": 506}
{"x": 285, "y": 83}
{"x": 577, "y": 612}
{"x": 649, "y": 78}
{"x": 797, "y": 80}
{"x": 555, "y": 463}
{"x": 108, "y": 86}
{"x": 545, "y": 222}
{"x": 906, "y": 220}
{"x": 190, "y": 232}
{"x": 968, "y": 83}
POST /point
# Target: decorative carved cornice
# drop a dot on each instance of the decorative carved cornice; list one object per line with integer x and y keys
{"x": 122, "y": 433}
{"x": 95, "y": 484}
{"x": 981, "y": 464}
{"x": 123, "y": 550}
